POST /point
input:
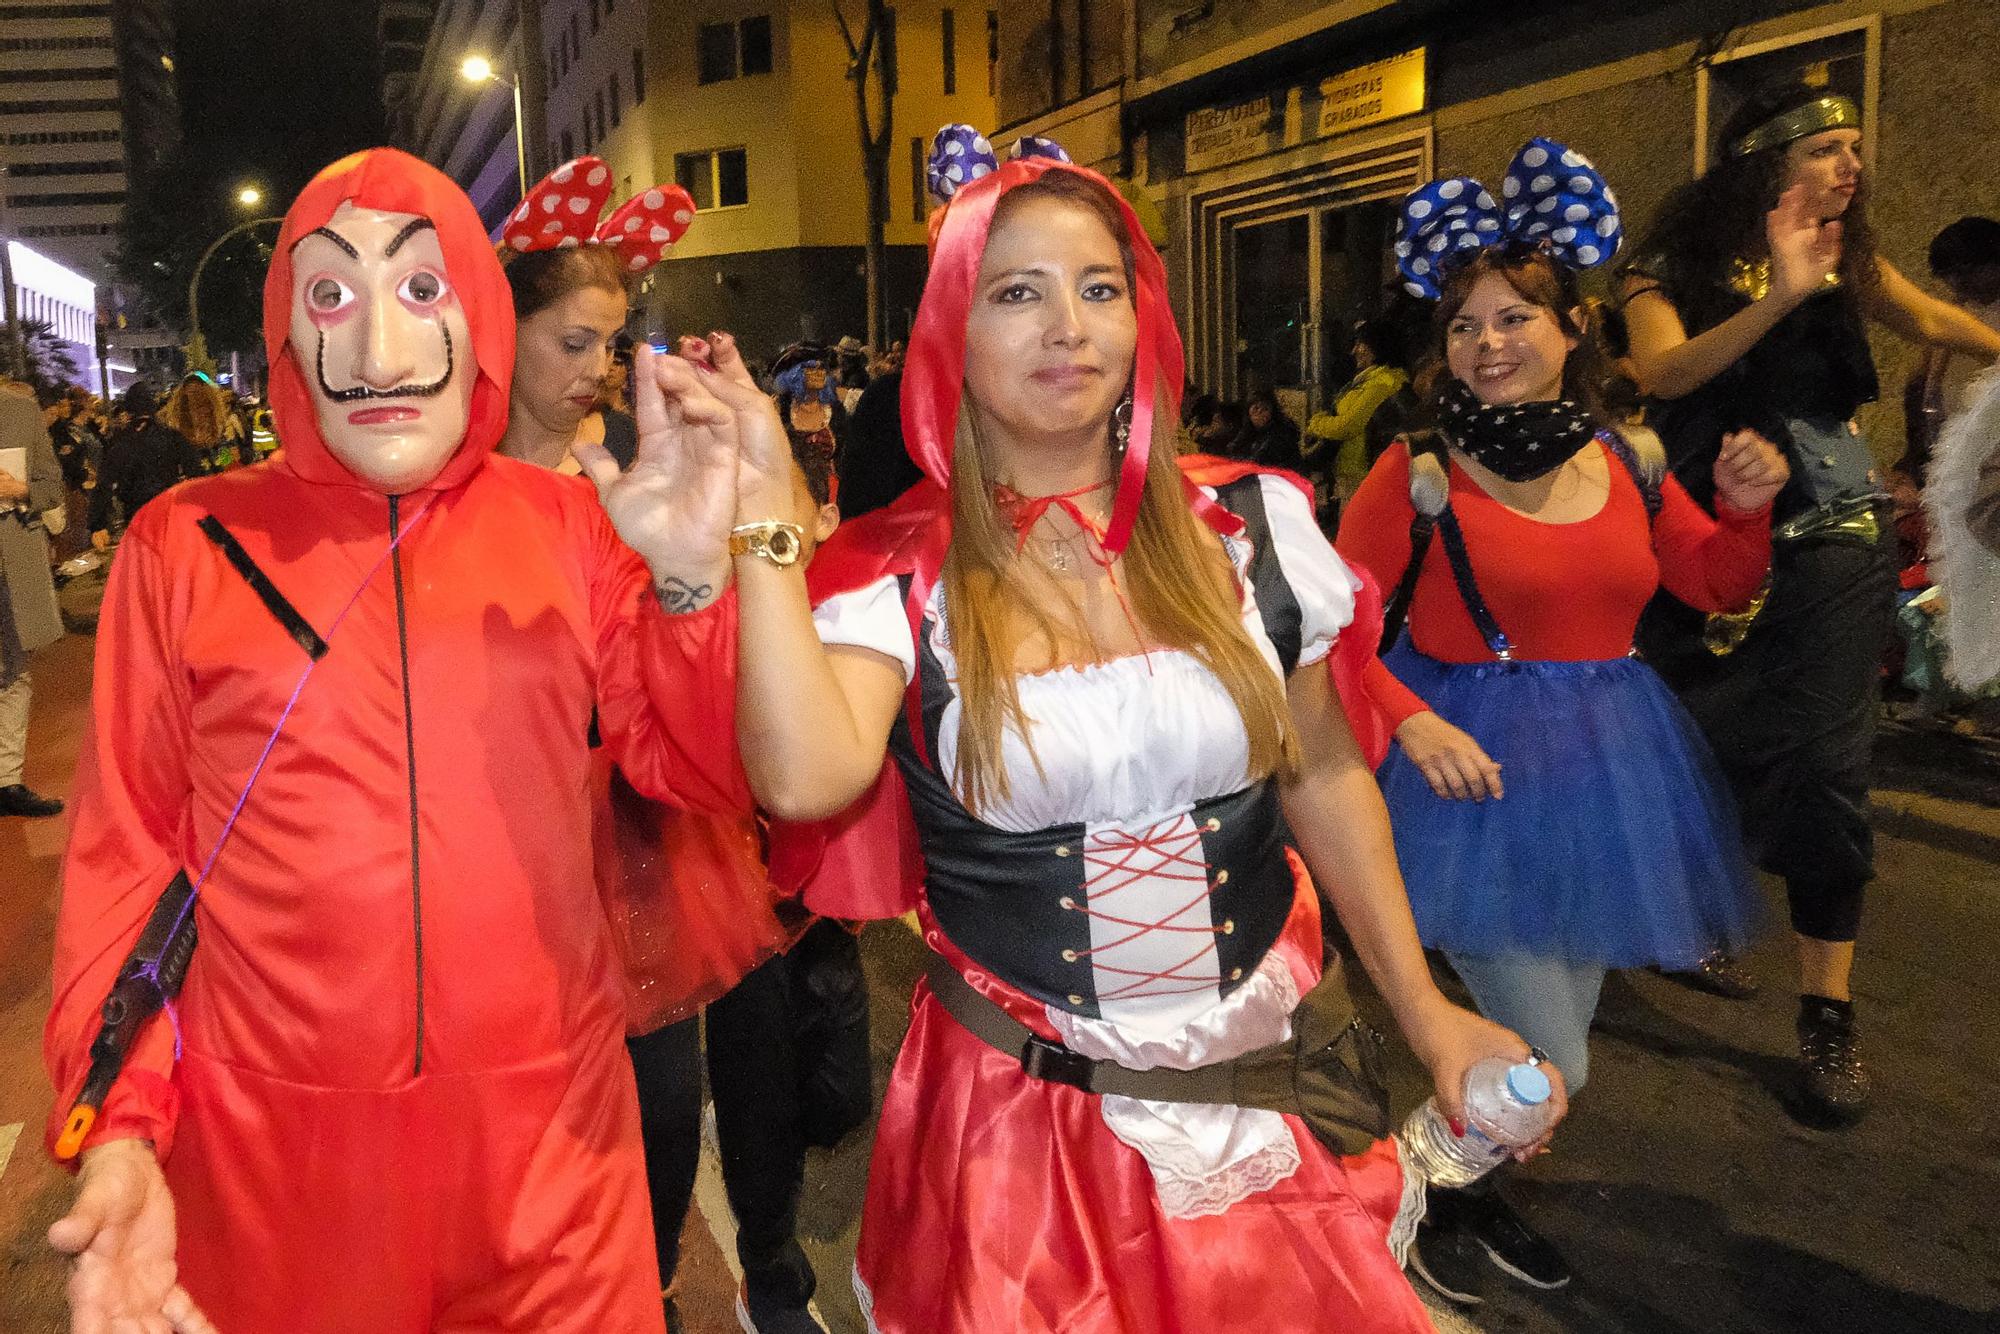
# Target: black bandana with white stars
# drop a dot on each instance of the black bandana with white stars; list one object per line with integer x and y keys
{"x": 1519, "y": 441}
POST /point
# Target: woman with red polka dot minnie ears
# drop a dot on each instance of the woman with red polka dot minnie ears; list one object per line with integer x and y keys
{"x": 568, "y": 275}
{"x": 690, "y": 902}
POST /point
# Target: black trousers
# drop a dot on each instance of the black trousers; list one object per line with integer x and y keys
{"x": 1791, "y": 717}
{"x": 754, "y": 1077}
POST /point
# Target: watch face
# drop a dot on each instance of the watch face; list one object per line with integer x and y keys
{"x": 784, "y": 545}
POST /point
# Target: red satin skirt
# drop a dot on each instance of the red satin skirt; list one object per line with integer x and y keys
{"x": 1000, "y": 1202}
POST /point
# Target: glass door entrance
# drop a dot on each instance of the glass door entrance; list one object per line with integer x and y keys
{"x": 1299, "y": 284}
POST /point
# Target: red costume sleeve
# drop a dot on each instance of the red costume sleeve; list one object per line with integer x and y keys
{"x": 1375, "y": 537}
{"x": 128, "y": 838}
{"x": 1711, "y": 564}
{"x": 666, "y": 686}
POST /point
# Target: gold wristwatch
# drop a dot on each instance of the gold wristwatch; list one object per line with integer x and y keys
{"x": 777, "y": 542}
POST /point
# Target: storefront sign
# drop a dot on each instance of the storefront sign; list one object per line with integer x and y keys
{"x": 1376, "y": 92}
{"x": 1216, "y": 135}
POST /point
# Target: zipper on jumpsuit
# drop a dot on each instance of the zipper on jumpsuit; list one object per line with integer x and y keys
{"x": 410, "y": 753}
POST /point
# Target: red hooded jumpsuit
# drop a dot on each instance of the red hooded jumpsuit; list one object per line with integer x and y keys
{"x": 403, "y": 1102}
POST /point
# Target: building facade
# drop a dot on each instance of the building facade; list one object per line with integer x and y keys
{"x": 747, "y": 103}
{"x": 62, "y": 130}
{"x": 1276, "y": 139}
{"x": 467, "y": 130}
{"x": 87, "y": 106}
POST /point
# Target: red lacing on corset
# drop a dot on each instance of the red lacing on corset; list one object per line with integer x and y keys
{"x": 1175, "y": 848}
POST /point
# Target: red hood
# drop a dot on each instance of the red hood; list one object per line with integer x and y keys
{"x": 393, "y": 181}
{"x": 934, "y": 369}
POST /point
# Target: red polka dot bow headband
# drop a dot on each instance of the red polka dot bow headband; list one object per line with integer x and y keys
{"x": 563, "y": 210}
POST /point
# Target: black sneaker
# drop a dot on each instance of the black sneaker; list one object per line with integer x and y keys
{"x": 1516, "y": 1249}
{"x": 1833, "y": 1084}
{"x": 16, "y": 799}
{"x": 760, "y": 1313}
{"x": 673, "y": 1311}
{"x": 1719, "y": 974}
{"x": 1447, "y": 1257}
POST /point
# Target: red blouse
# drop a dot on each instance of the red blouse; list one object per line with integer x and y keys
{"x": 1562, "y": 591}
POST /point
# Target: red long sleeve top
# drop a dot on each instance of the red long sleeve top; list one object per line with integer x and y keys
{"x": 1563, "y": 592}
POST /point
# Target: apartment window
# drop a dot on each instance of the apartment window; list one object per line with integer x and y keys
{"x": 24, "y": 138}
{"x": 992, "y": 53}
{"x": 638, "y": 76}
{"x": 719, "y": 178}
{"x": 46, "y": 75}
{"x": 66, "y": 168}
{"x": 603, "y": 120}
{"x": 919, "y": 179}
{"x": 569, "y": 146}
{"x": 756, "y": 40}
{"x": 715, "y": 52}
{"x": 948, "y": 34}
{"x": 733, "y": 50}
{"x": 75, "y": 199}
{"x": 575, "y": 37}
{"x": 552, "y": 71}
{"x": 46, "y": 106}
{"x": 616, "y": 115}
{"x": 596, "y": 14}
{"x": 59, "y": 11}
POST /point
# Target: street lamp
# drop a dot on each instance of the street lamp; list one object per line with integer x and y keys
{"x": 478, "y": 69}
{"x": 249, "y": 196}
{"x": 197, "y": 346}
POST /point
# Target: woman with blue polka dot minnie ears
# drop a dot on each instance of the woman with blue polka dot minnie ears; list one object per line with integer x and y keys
{"x": 1610, "y": 841}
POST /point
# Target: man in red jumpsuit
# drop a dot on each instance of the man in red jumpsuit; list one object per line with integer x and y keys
{"x": 401, "y": 1100}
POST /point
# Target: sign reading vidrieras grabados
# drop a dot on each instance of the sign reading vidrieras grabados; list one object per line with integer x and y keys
{"x": 1216, "y": 135}
{"x": 1375, "y": 92}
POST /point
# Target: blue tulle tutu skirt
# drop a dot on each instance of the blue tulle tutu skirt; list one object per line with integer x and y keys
{"x": 1617, "y": 841}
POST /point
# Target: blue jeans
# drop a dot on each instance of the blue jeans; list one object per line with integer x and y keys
{"x": 1548, "y": 1001}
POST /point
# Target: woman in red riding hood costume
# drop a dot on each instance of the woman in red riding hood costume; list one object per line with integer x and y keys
{"x": 1108, "y": 687}
{"x": 348, "y": 694}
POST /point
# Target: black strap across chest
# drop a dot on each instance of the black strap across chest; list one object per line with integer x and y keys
{"x": 267, "y": 592}
{"x": 1423, "y": 527}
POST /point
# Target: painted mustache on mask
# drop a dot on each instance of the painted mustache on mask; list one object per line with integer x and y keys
{"x": 361, "y": 392}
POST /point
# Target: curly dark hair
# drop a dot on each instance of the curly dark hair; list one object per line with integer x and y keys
{"x": 1710, "y": 223}
{"x": 1589, "y": 376}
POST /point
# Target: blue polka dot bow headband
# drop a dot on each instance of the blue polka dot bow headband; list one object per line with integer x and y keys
{"x": 1554, "y": 199}
{"x": 961, "y": 155}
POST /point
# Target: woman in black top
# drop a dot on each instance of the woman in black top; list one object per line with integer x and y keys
{"x": 1747, "y": 308}
{"x": 1270, "y": 438}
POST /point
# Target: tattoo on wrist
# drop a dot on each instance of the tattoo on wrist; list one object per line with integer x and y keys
{"x": 678, "y": 596}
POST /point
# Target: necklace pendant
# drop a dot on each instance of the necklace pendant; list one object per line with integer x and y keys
{"x": 1058, "y": 557}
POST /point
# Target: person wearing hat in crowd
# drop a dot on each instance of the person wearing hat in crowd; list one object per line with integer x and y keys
{"x": 1748, "y": 307}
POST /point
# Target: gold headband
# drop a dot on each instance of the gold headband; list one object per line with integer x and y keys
{"x": 1825, "y": 113}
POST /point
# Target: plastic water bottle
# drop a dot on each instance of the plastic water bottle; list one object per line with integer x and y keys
{"x": 1506, "y": 1106}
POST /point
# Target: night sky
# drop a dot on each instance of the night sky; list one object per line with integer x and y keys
{"x": 273, "y": 90}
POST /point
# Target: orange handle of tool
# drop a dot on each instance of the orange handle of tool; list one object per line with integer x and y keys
{"x": 75, "y": 1130}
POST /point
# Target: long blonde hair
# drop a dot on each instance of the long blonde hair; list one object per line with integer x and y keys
{"x": 1181, "y": 587}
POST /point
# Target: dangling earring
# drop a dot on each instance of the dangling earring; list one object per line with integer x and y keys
{"x": 1121, "y": 426}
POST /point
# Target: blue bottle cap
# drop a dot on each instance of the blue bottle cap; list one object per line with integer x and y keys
{"x": 1528, "y": 1084}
